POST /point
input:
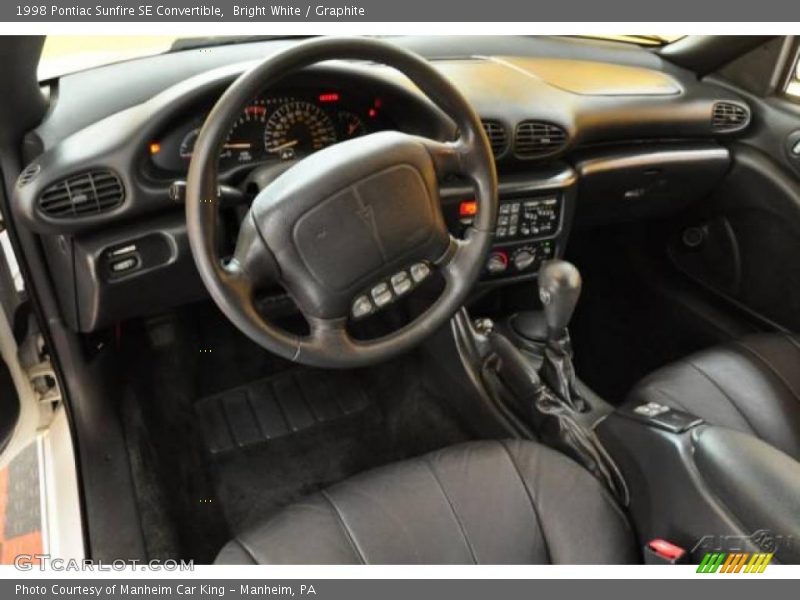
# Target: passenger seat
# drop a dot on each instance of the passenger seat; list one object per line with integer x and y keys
{"x": 751, "y": 385}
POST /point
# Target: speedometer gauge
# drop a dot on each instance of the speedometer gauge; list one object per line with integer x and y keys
{"x": 298, "y": 128}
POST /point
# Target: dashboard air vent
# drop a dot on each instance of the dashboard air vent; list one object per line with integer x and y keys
{"x": 498, "y": 136}
{"x": 86, "y": 194}
{"x": 535, "y": 139}
{"x": 28, "y": 174}
{"x": 727, "y": 117}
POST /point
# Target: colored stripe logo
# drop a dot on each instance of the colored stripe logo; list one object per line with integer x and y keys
{"x": 736, "y": 562}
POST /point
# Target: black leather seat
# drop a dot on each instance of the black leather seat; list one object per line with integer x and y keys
{"x": 482, "y": 502}
{"x": 751, "y": 385}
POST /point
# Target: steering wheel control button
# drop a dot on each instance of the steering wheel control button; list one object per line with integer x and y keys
{"x": 362, "y": 306}
{"x": 401, "y": 283}
{"x": 381, "y": 294}
{"x": 419, "y": 271}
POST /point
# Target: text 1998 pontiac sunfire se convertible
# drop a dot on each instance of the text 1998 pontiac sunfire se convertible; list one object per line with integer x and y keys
{"x": 410, "y": 300}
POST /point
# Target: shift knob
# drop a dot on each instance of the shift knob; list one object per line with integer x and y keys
{"x": 559, "y": 290}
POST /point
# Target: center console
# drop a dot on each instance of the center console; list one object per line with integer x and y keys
{"x": 533, "y": 221}
{"x": 708, "y": 489}
{"x": 692, "y": 490}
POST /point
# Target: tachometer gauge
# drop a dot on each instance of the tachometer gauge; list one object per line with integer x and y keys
{"x": 351, "y": 125}
{"x": 298, "y": 128}
{"x": 244, "y": 144}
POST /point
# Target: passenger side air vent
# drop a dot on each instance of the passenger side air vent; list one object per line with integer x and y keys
{"x": 28, "y": 174}
{"x": 534, "y": 139}
{"x": 498, "y": 136}
{"x": 728, "y": 117}
{"x": 86, "y": 194}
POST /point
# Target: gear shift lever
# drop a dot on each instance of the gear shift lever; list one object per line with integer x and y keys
{"x": 559, "y": 290}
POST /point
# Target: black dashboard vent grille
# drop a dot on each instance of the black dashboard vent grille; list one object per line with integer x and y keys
{"x": 28, "y": 174}
{"x": 535, "y": 139}
{"x": 86, "y": 194}
{"x": 498, "y": 136}
{"x": 728, "y": 117}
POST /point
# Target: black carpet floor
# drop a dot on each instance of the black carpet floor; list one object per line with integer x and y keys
{"x": 222, "y": 434}
{"x": 391, "y": 417}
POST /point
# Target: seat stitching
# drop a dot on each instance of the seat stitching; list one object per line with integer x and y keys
{"x": 529, "y": 493}
{"x": 344, "y": 527}
{"x": 725, "y": 394}
{"x": 769, "y": 366}
{"x": 427, "y": 462}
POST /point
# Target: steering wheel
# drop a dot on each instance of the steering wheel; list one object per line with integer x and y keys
{"x": 352, "y": 226}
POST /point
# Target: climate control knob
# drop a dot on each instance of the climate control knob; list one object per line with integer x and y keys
{"x": 523, "y": 258}
{"x": 497, "y": 262}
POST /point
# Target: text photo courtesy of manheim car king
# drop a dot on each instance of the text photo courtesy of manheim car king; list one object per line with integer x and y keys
{"x": 471, "y": 307}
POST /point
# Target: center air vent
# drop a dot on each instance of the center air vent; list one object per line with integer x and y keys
{"x": 728, "y": 117}
{"x": 534, "y": 139}
{"x": 86, "y": 194}
{"x": 498, "y": 136}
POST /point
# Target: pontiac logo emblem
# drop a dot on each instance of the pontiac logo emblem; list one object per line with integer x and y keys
{"x": 366, "y": 213}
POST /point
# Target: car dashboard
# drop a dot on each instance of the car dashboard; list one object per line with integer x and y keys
{"x": 583, "y": 134}
{"x": 284, "y": 125}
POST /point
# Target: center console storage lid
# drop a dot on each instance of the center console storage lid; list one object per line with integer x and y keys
{"x": 758, "y": 483}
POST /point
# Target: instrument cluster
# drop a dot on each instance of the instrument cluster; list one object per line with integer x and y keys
{"x": 276, "y": 127}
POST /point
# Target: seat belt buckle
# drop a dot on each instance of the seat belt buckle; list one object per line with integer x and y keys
{"x": 662, "y": 552}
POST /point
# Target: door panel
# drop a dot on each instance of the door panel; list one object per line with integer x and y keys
{"x": 744, "y": 242}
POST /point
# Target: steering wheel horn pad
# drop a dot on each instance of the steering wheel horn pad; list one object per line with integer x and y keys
{"x": 345, "y": 218}
{"x": 350, "y": 215}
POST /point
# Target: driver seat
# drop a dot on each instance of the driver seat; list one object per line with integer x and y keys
{"x": 488, "y": 502}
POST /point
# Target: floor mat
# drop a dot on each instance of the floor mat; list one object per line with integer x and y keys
{"x": 213, "y": 454}
{"x": 278, "y": 406}
{"x": 281, "y": 438}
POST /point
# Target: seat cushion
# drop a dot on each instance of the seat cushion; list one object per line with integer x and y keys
{"x": 513, "y": 502}
{"x": 751, "y": 385}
